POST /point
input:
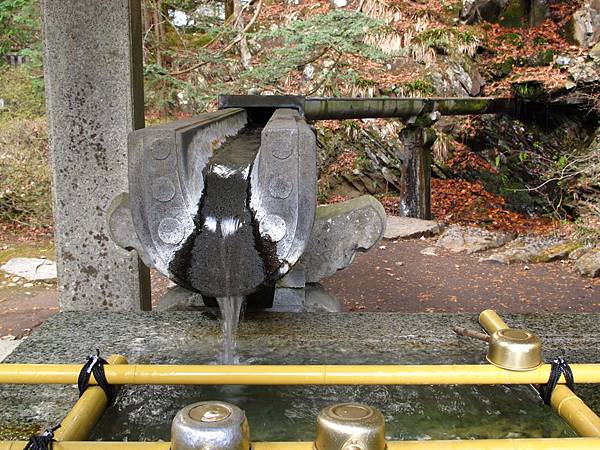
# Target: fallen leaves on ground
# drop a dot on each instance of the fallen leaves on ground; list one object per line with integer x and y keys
{"x": 17, "y": 232}
{"x": 343, "y": 163}
{"x": 468, "y": 203}
{"x": 464, "y": 158}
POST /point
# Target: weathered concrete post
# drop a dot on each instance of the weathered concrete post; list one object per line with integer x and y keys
{"x": 93, "y": 75}
{"x": 415, "y": 193}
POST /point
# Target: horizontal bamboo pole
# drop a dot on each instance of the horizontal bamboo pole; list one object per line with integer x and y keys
{"x": 79, "y": 422}
{"x": 481, "y": 444}
{"x": 501, "y": 444}
{"x": 317, "y": 108}
{"x": 292, "y": 374}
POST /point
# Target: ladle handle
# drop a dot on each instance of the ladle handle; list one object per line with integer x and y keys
{"x": 470, "y": 333}
{"x": 491, "y": 321}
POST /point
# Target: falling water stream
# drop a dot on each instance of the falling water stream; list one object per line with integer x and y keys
{"x": 231, "y": 308}
{"x": 221, "y": 257}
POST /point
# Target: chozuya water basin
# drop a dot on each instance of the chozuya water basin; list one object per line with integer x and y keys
{"x": 289, "y": 413}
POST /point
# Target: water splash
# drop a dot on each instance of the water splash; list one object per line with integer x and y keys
{"x": 231, "y": 308}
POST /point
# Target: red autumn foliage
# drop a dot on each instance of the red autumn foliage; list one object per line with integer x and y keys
{"x": 464, "y": 158}
{"x": 468, "y": 203}
{"x": 343, "y": 163}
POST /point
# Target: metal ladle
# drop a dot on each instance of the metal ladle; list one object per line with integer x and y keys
{"x": 509, "y": 348}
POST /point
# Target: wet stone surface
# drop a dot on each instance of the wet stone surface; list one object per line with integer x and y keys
{"x": 288, "y": 413}
{"x": 224, "y": 226}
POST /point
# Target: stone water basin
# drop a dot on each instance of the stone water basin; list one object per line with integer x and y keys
{"x": 278, "y": 413}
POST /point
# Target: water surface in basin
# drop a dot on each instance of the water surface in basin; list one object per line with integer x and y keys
{"x": 288, "y": 413}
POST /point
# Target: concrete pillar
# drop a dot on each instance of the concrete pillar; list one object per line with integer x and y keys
{"x": 94, "y": 97}
{"x": 415, "y": 192}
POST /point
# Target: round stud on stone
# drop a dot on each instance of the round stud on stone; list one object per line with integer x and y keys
{"x": 280, "y": 188}
{"x": 210, "y": 426}
{"x": 272, "y": 227}
{"x": 163, "y": 189}
{"x": 170, "y": 231}
{"x": 282, "y": 151}
{"x": 350, "y": 426}
{"x": 160, "y": 149}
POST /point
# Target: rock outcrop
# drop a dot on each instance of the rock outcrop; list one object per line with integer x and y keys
{"x": 471, "y": 240}
{"x": 586, "y": 24}
{"x": 32, "y": 269}
{"x": 476, "y": 10}
{"x": 589, "y": 264}
{"x": 410, "y": 228}
{"x": 533, "y": 250}
{"x": 510, "y": 13}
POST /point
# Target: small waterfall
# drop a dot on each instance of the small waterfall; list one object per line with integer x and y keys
{"x": 220, "y": 255}
{"x": 231, "y": 308}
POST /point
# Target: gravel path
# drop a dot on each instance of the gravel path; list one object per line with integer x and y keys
{"x": 397, "y": 277}
{"x": 393, "y": 277}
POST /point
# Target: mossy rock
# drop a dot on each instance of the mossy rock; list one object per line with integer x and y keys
{"x": 503, "y": 69}
{"x": 556, "y": 252}
{"x": 516, "y": 15}
{"x": 589, "y": 264}
{"x": 543, "y": 58}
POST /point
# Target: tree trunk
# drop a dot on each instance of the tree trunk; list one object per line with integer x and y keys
{"x": 157, "y": 32}
{"x": 245, "y": 54}
{"x": 146, "y": 24}
{"x": 229, "y": 8}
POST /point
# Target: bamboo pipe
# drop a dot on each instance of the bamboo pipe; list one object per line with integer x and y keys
{"x": 293, "y": 374}
{"x": 487, "y": 444}
{"x": 481, "y": 444}
{"x": 81, "y": 419}
{"x": 564, "y": 401}
{"x": 575, "y": 412}
{"x": 316, "y": 108}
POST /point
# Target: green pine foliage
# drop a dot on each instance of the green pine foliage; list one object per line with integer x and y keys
{"x": 329, "y": 35}
{"x": 19, "y": 25}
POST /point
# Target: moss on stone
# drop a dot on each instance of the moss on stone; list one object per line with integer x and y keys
{"x": 504, "y": 68}
{"x": 558, "y": 251}
{"x": 529, "y": 90}
{"x": 516, "y": 15}
{"x": 544, "y": 58}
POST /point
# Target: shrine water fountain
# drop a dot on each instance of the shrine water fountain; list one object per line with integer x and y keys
{"x": 224, "y": 204}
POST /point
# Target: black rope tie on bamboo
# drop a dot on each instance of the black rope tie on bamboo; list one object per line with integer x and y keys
{"x": 559, "y": 367}
{"x": 43, "y": 441}
{"x": 95, "y": 366}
